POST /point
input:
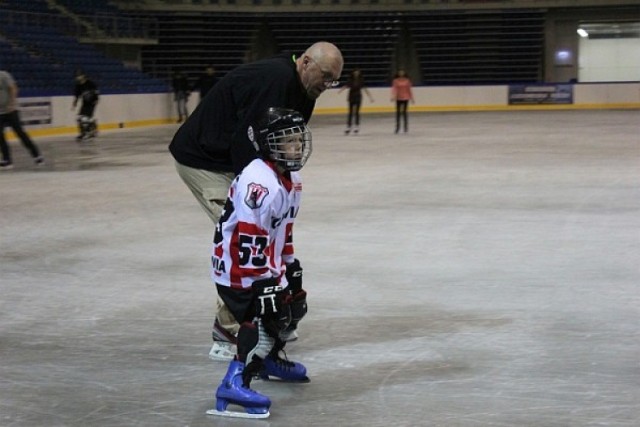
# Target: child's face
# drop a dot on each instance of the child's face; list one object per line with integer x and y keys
{"x": 292, "y": 147}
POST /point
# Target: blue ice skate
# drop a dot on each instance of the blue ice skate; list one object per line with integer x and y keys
{"x": 232, "y": 391}
{"x": 283, "y": 369}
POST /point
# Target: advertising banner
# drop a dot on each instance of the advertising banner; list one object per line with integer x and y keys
{"x": 540, "y": 94}
{"x": 35, "y": 111}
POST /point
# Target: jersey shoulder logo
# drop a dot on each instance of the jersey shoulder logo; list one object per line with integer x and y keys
{"x": 256, "y": 194}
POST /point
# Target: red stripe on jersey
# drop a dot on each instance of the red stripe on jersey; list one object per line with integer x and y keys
{"x": 251, "y": 229}
{"x": 288, "y": 246}
{"x": 235, "y": 275}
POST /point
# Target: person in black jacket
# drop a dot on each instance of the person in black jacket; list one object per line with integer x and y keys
{"x": 87, "y": 92}
{"x": 207, "y": 80}
{"x": 356, "y": 86}
{"x": 212, "y": 145}
{"x": 181, "y": 92}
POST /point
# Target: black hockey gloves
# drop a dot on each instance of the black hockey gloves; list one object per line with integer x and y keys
{"x": 294, "y": 276}
{"x": 298, "y": 296}
{"x": 272, "y": 305}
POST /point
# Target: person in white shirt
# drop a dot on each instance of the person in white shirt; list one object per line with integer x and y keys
{"x": 254, "y": 265}
{"x": 9, "y": 116}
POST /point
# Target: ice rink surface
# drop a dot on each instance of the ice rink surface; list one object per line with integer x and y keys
{"x": 481, "y": 270}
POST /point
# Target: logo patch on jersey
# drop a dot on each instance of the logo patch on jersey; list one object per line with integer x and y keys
{"x": 256, "y": 194}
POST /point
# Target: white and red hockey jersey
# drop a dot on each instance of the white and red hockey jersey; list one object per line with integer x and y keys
{"x": 253, "y": 238}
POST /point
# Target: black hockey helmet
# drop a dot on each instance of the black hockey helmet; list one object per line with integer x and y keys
{"x": 282, "y": 136}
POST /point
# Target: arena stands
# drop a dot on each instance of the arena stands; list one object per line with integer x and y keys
{"x": 461, "y": 42}
{"x": 41, "y": 46}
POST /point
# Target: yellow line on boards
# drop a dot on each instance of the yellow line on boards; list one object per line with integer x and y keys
{"x": 463, "y": 108}
{"x": 70, "y": 130}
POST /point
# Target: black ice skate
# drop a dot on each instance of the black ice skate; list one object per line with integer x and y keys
{"x": 282, "y": 369}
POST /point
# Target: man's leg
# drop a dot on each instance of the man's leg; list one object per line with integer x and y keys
{"x": 210, "y": 190}
{"x": 93, "y": 123}
{"x": 224, "y": 333}
{"x": 5, "y": 162}
{"x": 14, "y": 122}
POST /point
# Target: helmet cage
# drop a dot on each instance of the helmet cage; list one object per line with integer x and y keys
{"x": 290, "y": 147}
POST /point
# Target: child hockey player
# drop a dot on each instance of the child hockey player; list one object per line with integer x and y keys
{"x": 254, "y": 267}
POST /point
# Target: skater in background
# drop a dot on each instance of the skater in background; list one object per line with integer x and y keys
{"x": 254, "y": 265}
{"x": 181, "y": 93}
{"x": 9, "y": 116}
{"x": 356, "y": 86}
{"x": 212, "y": 146}
{"x": 86, "y": 91}
{"x": 206, "y": 81}
{"x": 401, "y": 93}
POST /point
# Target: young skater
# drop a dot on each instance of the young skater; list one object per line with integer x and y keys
{"x": 254, "y": 265}
{"x": 356, "y": 86}
{"x": 401, "y": 94}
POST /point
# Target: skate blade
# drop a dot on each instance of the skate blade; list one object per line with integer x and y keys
{"x": 232, "y": 414}
{"x": 275, "y": 379}
{"x": 221, "y": 353}
{"x": 221, "y": 357}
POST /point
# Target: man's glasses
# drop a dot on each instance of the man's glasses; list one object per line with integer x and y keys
{"x": 329, "y": 83}
{"x": 327, "y": 77}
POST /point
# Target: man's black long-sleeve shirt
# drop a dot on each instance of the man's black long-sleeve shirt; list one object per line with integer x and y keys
{"x": 215, "y": 137}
